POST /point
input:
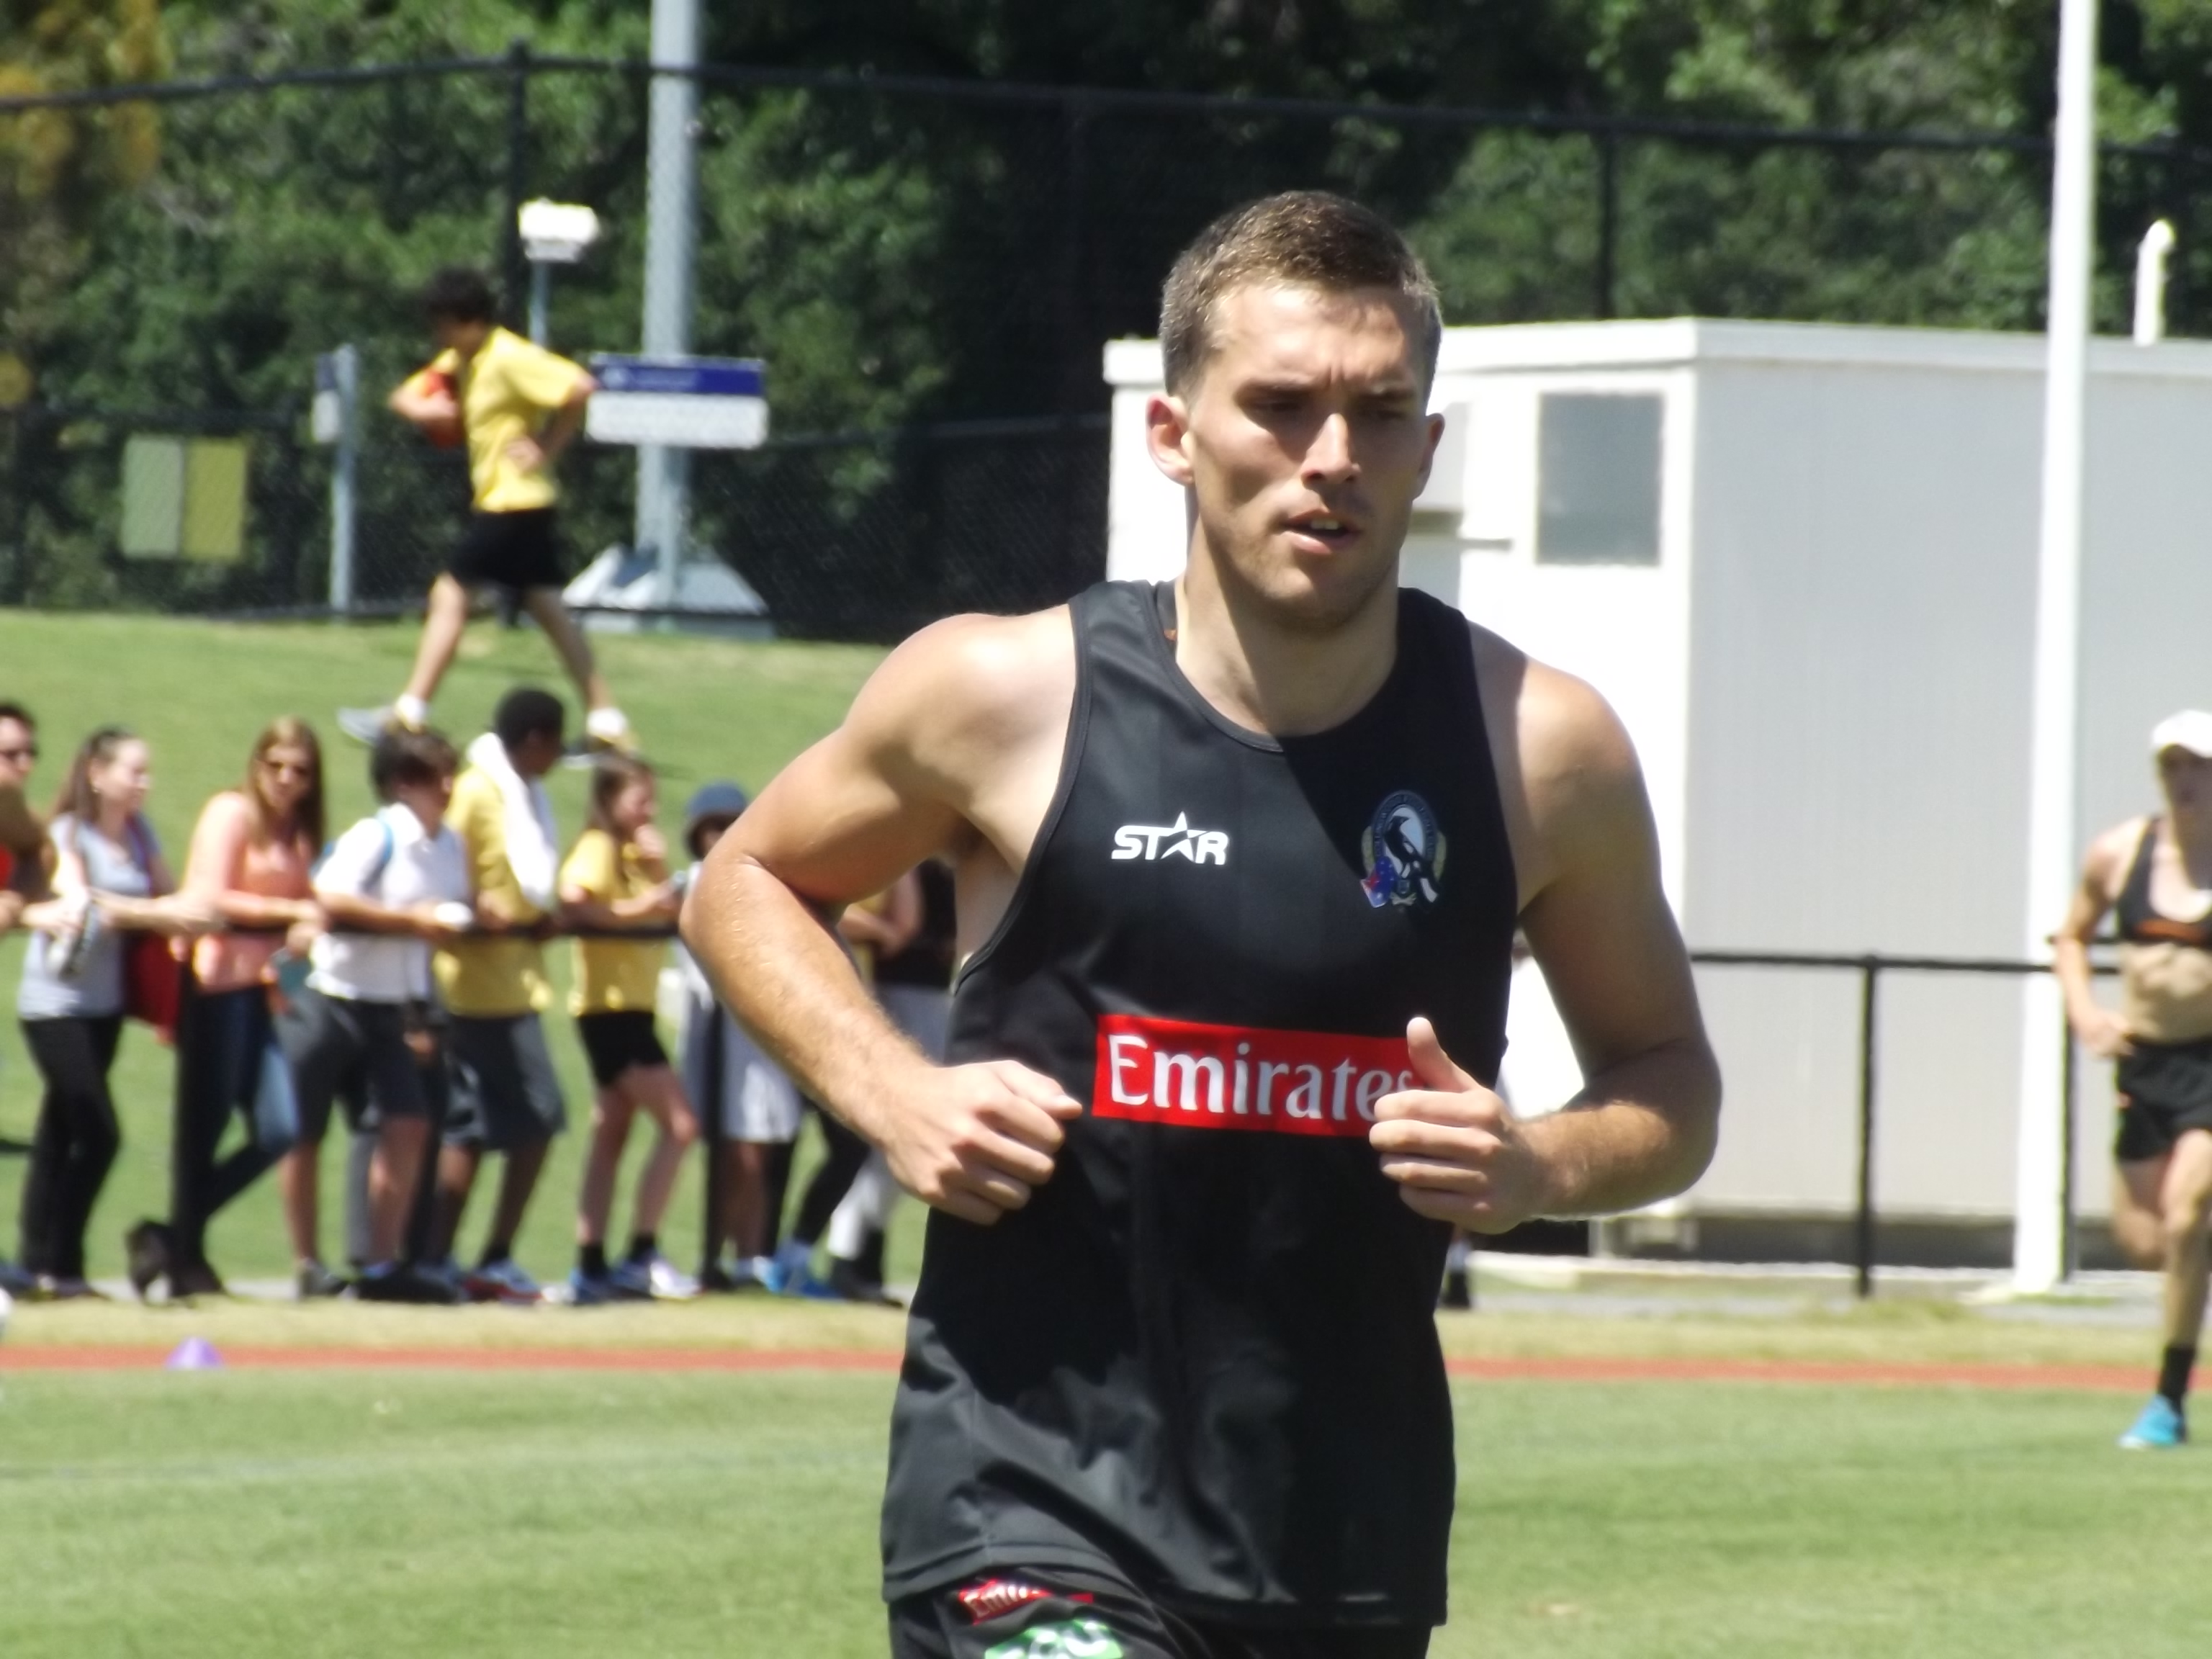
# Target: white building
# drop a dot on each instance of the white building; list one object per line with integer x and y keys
{"x": 1800, "y": 561}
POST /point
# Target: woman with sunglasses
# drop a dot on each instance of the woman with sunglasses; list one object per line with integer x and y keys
{"x": 253, "y": 858}
{"x": 110, "y": 876}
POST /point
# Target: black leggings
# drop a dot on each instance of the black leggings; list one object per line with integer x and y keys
{"x": 228, "y": 1062}
{"x": 77, "y": 1140}
{"x": 847, "y": 1153}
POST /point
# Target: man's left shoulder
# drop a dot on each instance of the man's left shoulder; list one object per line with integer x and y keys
{"x": 1556, "y": 724}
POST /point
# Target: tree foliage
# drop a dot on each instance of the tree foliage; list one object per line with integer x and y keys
{"x": 898, "y": 257}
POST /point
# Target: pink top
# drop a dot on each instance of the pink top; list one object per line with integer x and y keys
{"x": 225, "y": 858}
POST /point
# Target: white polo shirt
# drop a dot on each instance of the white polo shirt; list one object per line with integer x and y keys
{"x": 388, "y": 859}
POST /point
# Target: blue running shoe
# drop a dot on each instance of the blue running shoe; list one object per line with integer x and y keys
{"x": 2160, "y": 1427}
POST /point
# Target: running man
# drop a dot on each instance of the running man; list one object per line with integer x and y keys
{"x": 517, "y": 406}
{"x": 1219, "y": 1076}
{"x": 2157, "y": 872}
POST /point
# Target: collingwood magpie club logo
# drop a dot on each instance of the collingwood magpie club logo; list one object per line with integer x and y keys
{"x": 1403, "y": 851}
{"x": 1155, "y": 841}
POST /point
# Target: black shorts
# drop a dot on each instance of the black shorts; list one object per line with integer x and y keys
{"x": 2165, "y": 1089}
{"x": 354, "y": 1052}
{"x": 617, "y": 1041}
{"x": 1017, "y": 1613}
{"x": 519, "y": 550}
{"x": 504, "y": 1092}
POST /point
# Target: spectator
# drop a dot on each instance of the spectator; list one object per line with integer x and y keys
{"x": 361, "y": 1029}
{"x": 879, "y": 925}
{"x": 516, "y": 406}
{"x": 759, "y": 1108}
{"x": 618, "y": 876}
{"x": 913, "y": 983}
{"x": 252, "y": 856}
{"x": 25, "y": 857}
{"x": 110, "y": 875}
{"x": 504, "y": 1095}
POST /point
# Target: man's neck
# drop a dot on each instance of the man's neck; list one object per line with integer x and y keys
{"x": 1284, "y": 680}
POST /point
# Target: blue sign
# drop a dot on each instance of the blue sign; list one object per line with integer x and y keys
{"x": 684, "y": 403}
{"x": 689, "y": 377}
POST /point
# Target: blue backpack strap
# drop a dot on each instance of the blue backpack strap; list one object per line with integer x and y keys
{"x": 374, "y": 882}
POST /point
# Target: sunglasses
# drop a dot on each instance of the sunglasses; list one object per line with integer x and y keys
{"x": 288, "y": 768}
{"x": 20, "y": 757}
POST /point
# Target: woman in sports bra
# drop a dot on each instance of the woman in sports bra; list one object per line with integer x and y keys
{"x": 2153, "y": 875}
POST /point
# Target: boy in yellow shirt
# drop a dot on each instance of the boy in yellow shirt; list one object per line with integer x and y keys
{"x": 504, "y": 1095}
{"x": 616, "y": 877}
{"x": 517, "y": 406}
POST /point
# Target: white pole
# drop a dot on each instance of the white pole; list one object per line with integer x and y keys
{"x": 671, "y": 241}
{"x": 2150, "y": 282}
{"x": 345, "y": 375}
{"x": 2038, "y": 1232}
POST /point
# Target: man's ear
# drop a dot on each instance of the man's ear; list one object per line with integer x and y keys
{"x": 1167, "y": 435}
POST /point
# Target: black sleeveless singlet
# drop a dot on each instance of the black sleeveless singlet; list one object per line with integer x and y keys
{"x": 1205, "y": 1356}
{"x": 2137, "y": 921}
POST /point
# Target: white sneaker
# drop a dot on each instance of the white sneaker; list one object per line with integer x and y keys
{"x": 656, "y": 1278}
{"x": 368, "y": 724}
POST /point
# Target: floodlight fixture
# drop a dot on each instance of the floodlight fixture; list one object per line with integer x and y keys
{"x": 556, "y": 233}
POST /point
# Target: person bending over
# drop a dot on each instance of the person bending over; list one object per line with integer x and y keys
{"x": 1239, "y": 860}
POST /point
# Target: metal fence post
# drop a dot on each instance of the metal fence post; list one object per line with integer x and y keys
{"x": 1869, "y": 979}
{"x": 2069, "y": 1234}
{"x": 1608, "y": 217}
{"x": 345, "y": 377}
{"x": 514, "y": 275}
{"x": 714, "y": 1220}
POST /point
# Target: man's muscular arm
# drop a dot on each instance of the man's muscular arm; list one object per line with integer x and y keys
{"x": 922, "y": 758}
{"x": 1644, "y": 1123}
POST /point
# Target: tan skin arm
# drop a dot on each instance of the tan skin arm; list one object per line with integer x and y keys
{"x": 941, "y": 752}
{"x": 532, "y": 454}
{"x": 891, "y": 929}
{"x": 1646, "y": 1121}
{"x": 2101, "y": 1030}
{"x": 211, "y": 867}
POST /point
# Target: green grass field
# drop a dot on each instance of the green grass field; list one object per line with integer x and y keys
{"x": 199, "y": 692}
{"x": 257, "y": 1513}
{"x": 423, "y": 1512}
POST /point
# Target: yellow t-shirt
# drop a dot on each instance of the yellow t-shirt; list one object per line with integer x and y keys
{"x": 506, "y": 391}
{"x": 613, "y": 977}
{"x": 489, "y": 978}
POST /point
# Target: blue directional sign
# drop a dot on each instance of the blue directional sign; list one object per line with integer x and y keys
{"x": 685, "y": 402}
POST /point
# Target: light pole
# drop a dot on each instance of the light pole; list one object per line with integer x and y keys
{"x": 2038, "y": 1230}
{"x": 553, "y": 233}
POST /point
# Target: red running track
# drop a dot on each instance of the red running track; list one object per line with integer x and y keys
{"x": 1830, "y": 1373}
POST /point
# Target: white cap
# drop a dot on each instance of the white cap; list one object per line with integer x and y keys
{"x": 2192, "y": 729}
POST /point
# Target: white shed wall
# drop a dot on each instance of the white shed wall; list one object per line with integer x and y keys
{"x": 1827, "y": 678}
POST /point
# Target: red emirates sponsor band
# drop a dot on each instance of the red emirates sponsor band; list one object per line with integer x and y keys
{"x": 1241, "y": 1077}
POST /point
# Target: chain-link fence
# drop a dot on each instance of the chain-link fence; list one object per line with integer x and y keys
{"x": 929, "y": 268}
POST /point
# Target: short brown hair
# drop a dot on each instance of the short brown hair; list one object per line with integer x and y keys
{"x": 1300, "y": 238}
{"x": 402, "y": 758}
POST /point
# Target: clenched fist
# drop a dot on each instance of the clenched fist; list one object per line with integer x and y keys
{"x": 975, "y": 1141}
{"x": 1455, "y": 1152}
